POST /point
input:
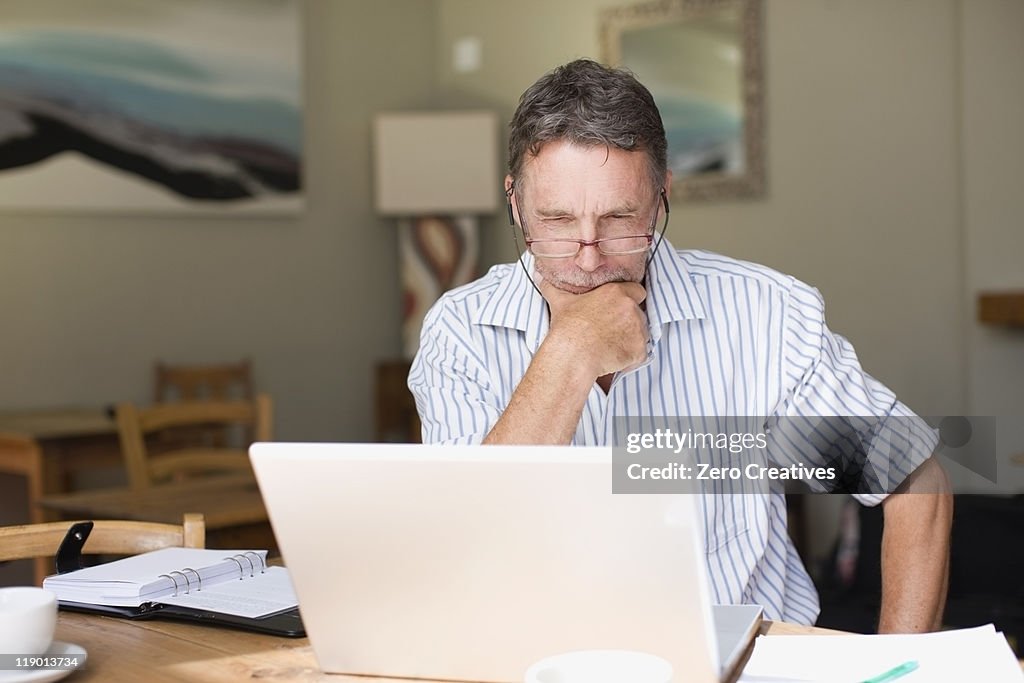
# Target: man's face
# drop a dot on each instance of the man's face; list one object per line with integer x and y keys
{"x": 586, "y": 193}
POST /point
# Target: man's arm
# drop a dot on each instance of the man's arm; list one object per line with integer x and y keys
{"x": 591, "y": 335}
{"x": 546, "y": 406}
{"x": 915, "y": 551}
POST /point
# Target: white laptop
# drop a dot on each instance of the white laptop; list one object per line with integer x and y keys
{"x": 470, "y": 563}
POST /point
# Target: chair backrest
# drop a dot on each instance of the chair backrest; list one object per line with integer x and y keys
{"x": 144, "y": 467}
{"x": 202, "y": 382}
{"x": 28, "y": 541}
{"x": 20, "y": 454}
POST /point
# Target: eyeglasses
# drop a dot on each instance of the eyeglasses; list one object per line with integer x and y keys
{"x": 564, "y": 247}
{"x": 609, "y": 246}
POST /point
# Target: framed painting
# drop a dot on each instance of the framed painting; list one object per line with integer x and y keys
{"x": 151, "y": 105}
{"x": 702, "y": 61}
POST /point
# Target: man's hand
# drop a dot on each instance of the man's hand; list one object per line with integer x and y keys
{"x": 605, "y": 328}
{"x": 592, "y": 334}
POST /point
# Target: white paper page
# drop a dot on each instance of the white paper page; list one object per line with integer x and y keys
{"x": 136, "y": 579}
{"x": 977, "y": 654}
{"x": 256, "y": 596}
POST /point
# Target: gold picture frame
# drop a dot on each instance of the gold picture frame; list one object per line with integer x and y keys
{"x": 702, "y": 61}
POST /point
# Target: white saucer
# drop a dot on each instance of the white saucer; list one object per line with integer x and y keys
{"x": 57, "y": 649}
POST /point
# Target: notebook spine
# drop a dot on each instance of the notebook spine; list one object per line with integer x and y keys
{"x": 245, "y": 563}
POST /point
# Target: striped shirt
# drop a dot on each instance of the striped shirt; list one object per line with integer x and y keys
{"x": 728, "y": 338}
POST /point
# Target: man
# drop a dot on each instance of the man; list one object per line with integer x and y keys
{"x": 602, "y": 319}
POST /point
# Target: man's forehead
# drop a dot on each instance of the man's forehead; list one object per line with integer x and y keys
{"x": 561, "y": 167}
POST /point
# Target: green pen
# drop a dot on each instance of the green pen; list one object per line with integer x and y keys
{"x": 894, "y": 673}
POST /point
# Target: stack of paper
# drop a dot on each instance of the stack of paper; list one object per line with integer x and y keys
{"x": 974, "y": 654}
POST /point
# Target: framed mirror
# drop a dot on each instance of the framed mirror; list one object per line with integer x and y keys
{"x": 702, "y": 61}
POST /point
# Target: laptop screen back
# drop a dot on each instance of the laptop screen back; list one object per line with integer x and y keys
{"x": 472, "y": 562}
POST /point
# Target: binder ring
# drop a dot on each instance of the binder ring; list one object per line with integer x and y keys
{"x": 241, "y": 572}
{"x": 199, "y": 579}
{"x": 263, "y": 563}
{"x": 252, "y": 567}
{"x": 188, "y": 586}
{"x": 174, "y": 581}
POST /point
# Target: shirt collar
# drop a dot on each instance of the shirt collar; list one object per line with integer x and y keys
{"x": 671, "y": 294}
{"x": 516, "y": 304}
{"x": 671, "y": 297}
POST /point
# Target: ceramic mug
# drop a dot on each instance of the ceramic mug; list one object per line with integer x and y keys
{"x": 28, "y": 617}
{"x": 601, "y": 666}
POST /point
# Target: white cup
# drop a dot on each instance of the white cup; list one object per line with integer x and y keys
{"x": 28, "y": 617}
{"x": 600, "y": 666}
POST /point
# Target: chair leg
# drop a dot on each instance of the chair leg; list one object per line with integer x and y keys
{"x": 41, "y": 568}
{"x": 194, "y": 530}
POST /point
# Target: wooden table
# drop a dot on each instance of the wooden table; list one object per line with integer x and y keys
{"x": 59, "y": 423}
{"x": 227, "y": 500}
{"x": 122, "y": 650}
{"x": 73, "y": 439}
{"x": 1004, "y": 309}
{"x": 231, "y": 505}
{"x": 1001, "y": 308}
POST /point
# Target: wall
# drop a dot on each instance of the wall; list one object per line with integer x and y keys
{"x": 89, "y": 301}
{"x": 992, "y": 153}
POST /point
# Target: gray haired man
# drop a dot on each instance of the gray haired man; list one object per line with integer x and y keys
{"x": 603, "y": 319}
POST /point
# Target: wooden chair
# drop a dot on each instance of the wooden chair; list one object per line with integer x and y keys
{"x": 40, "y": 541}
{"x": 224, "y": 382}
{"x": 202, "y": 382}
{"x": 145, "y": 467}
{"x": 394, "y": 406}
{"x": 21, "y": 455}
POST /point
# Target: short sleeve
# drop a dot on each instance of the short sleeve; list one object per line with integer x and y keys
{"x": 450, "y": 382}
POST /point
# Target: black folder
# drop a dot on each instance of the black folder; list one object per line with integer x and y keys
{"x": 286, "y": 623}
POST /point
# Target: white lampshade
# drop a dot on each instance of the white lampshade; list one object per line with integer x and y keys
{"x": 436, "y": 162}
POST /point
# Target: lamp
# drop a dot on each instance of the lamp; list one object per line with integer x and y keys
{"x": 436, "y": 171}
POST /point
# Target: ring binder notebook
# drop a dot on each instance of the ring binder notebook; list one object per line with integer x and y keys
{"x": 233, "y": 588}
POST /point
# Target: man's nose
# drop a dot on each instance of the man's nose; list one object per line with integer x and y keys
{"x": 589, "y": 257}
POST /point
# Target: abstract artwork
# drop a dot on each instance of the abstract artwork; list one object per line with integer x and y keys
{"x": 151, "y": 105}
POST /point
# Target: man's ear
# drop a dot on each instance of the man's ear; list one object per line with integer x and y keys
{"x": 509, "y": 197}
{"x": 668, "y": 184}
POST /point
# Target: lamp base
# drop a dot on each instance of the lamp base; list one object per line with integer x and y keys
{"x": 437, "y": 253}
